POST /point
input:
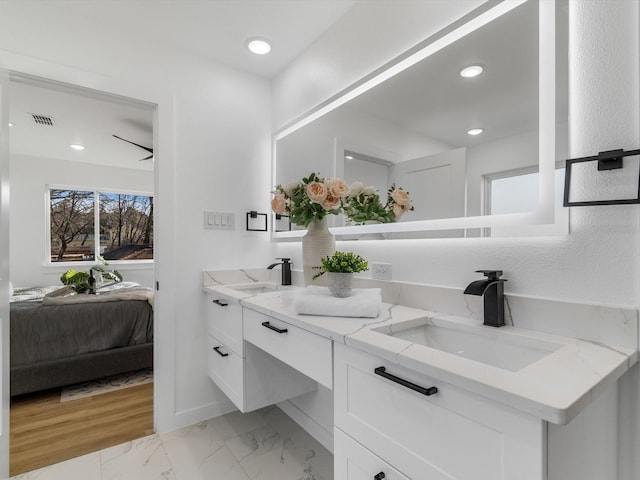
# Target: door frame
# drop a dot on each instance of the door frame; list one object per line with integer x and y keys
{"x": 5, "y": 396}
{"x": 164, "y": 220}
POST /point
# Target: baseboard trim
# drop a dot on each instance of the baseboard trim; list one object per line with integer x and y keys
{"x": 312, "y": 427}
{"x": 185, "y": 418}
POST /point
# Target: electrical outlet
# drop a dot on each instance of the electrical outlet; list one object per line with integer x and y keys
{"x": 381, "y": 271}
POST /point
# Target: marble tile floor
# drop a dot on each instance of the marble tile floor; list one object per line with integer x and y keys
{"x": 261, "y": 445}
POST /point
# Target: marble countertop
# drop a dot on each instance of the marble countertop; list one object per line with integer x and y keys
{"x": 279, "y": 304}
{"x": 555, "y": 387}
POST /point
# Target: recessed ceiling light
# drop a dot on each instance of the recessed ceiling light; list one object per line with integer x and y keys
{"x": 349, "y": 157}
{"x": 259, "y": 46}
{"x": 10, "y": 124}
{"x": 77, "y": 147}
{"x": 475, "y": 131}
{"x": 471, "y": 71}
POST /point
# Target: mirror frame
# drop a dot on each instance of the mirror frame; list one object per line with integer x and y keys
{"x": 544, "y": 216}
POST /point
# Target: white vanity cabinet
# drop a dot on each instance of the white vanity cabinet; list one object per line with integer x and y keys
{"x": 454, "y": 434}
{"x": 250, "y": 377}
{"x": 354, "y": 462}
{"x": 450, "y": 434}
{"x": 391, "y": 422}
{"x": 304, "y": 351}
{"x": 224, "y": 321}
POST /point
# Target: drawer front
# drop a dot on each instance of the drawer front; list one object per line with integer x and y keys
{"x": 307, "y": 352}
{"x": 351, "y": 461}
{"x": 451, "y": 434}
{"x": 224, "y": 321}
{"x": 226, "y": 369}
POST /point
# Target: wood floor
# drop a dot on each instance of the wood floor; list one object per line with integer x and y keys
{"x": 44, "y": 431}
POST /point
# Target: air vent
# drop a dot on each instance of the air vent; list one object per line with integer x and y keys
{"x": 43, "y": 120}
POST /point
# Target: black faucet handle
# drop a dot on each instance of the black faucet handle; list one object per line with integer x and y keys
{"x": 286, "y": 269}
{"x": 491, "y": 274}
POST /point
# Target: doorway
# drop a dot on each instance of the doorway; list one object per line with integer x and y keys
{"x": 115, "y": 175}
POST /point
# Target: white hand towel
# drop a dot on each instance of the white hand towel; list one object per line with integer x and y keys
{"x": 363, "y": 302}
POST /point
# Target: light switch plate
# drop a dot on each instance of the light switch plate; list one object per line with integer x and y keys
{"x": 219, "y": 220}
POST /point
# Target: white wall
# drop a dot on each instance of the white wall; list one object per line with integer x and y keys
{"x": 606, "y": 236}
{"x": 213, "y": 128}
{"x": 369, "y": 35}
{"x": 28, "y": 234}
{"x": 598, "y": 262}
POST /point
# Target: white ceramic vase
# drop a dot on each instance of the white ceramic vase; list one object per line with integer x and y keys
{"x": 317, "y": 243}
{"x": 339, "y": 284}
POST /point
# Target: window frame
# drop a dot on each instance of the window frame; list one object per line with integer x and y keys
{"x": 96, "y": 222}
{"x": 561, "y": 214}
{"x": 489, "y": 178}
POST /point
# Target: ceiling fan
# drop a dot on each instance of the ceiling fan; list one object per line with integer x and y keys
{"x": 148, "y": 149}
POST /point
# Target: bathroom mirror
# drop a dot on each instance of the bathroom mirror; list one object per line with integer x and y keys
{"x": 406, "y": 124}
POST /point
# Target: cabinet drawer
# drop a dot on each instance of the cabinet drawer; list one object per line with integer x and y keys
{"x": 452, "y": 434}
{"x": 255, "y": 381}
{"x": 354, "y": 462}
{"x": 306, "y": 352}
{"x": 224, "y": 321}
{"x": 225, "y": 368}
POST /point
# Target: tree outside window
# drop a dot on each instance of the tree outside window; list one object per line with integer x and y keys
{"x": 118, "y": 226}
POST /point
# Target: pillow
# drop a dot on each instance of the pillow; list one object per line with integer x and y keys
{"x": 10, "y": 289}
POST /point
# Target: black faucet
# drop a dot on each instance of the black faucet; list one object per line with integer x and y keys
{"x": 286, "y": 270}
{"x": 492, "y": 289}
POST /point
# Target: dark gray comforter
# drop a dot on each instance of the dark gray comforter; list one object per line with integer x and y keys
{"x": 49, "y": 332}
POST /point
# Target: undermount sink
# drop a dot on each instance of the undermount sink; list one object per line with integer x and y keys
{"x": 479, "y": 343}
{"x": 255, "y": 288}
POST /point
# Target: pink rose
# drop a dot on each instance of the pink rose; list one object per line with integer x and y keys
{"x": 278, "y": 204}
{"x": 401, "y": 197}
{"x": 317, "y": 192}
{"x": 338, "y": 188}
{"x": 330, "y": 202}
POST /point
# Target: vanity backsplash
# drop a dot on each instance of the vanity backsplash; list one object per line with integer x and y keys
{"x": 601, "y": 324}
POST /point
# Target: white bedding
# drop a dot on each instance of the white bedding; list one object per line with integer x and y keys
{"x": 131, "y": 293}
{"x": 36, "y": 294}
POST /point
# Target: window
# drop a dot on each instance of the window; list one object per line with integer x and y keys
{"x": 119, "y": 226}
{"x": 518, "y": 192}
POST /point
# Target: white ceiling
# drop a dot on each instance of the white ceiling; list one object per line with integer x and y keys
{"x": 211, "y": 29}
{"x": 432, "y": 99}
{"x": 79, "y": 119}
{"x": 218, "y": 29}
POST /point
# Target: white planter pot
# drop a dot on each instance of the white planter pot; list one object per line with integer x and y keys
{"x": 339, "y": 283}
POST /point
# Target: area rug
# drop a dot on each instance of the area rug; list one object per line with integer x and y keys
{"x": 105, "y": 385}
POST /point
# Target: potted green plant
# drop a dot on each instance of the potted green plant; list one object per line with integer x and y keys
{"x": 80, "y": 281}
{"x": 340, "y": 267}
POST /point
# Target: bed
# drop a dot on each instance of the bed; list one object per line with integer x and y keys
{"x": 60, "y": 340}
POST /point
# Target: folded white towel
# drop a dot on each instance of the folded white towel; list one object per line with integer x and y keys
{"x": 363, "y": 302}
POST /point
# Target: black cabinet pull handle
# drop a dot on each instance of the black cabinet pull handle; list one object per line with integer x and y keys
{"x": 275, "y": 329}
{"x": 425, "y": 391}
{"x": 217, "y": 349}
{"x": 218, "y": 302}
{"x": 379, "y": 476}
